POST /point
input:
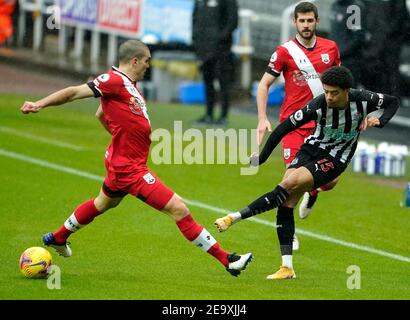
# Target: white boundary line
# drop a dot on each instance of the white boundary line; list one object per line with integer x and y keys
{"x": 198, "y": 204}
{"x": 37, "y": 138}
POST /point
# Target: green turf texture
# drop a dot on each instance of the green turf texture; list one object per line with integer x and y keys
{"x": 134, "y": 252}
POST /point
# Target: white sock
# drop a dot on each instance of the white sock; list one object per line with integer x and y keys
{"x": 72, "y": 224}
{"x": 204, "y": 241}
{"x": 236, "y": 216}
{"x": 287, "y": 261}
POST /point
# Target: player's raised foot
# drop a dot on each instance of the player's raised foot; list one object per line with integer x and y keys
{"x": 62, "y": 249}
{"x": 222, "y": 224}
{"x": 306, "y": 206}
{"x": 237, "y": 263}
{"x": 295, "y": 243}
{"x": 282, "y": 273}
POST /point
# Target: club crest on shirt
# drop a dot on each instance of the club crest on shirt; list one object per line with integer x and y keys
{"x": 149, "y": 178}
{"x": 325, "y": 58}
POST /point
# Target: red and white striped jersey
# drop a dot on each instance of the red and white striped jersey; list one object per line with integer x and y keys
{"x": 126, "y": 115}
{"x": 301, "y": 68}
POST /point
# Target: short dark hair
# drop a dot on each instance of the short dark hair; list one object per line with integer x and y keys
{"x": 131, "y": 49}
{"x": 305, "y": 7}
{"x": 338, "y": 76}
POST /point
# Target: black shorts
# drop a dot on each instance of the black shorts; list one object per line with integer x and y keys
{"x": 321, "y": 165}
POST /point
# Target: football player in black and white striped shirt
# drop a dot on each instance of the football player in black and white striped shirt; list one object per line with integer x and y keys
{"x": 340, "y": 113}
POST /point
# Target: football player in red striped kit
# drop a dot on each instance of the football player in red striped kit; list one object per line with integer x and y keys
{"x": 301, "y": 60}
{"x": 123, "y": 113}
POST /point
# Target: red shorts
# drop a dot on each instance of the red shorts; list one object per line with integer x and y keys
{"x": 144, "y": 185}
{"x": 292, "y": 142}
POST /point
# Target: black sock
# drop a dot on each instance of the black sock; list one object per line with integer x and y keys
{"x": 267, "y": 202}
{"x": 285, "y": 228}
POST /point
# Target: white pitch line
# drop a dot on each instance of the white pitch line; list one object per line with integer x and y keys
{"x": 37, "y": 138}
{"x": 50, "y": 165}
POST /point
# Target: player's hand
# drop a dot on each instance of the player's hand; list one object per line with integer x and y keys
{"x": 369, "y": 122}
{"x": 254, "y": 159}
{"x": 263, "y": 125}
{"x": 30, "y": 107}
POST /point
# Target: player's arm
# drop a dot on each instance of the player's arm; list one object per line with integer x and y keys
{"x": 101, "y": 117}
{"x": 58, "y": 98}
{"x": 296, "y": 120}
{"x": 378, "y": 101}
{"x": 262, "y": 102}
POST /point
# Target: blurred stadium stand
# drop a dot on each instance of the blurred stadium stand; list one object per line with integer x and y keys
{"x": 41, "y": 49}
{"x": 266, "y": 25}
{"x": 78, "y": 58}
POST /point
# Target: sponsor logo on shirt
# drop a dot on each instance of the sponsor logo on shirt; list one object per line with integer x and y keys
{"x": 136, "y": 105}
{"x": 339, "y": 134}
{"x": 300, "y": 77}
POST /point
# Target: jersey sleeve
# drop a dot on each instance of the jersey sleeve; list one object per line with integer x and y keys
{"x": 104, "y": 85}
{"x": 377, "y": 101}
{"x": 277, "y": 62}
{"x": 294, "y": 121}
{"x": 337, "y": 61}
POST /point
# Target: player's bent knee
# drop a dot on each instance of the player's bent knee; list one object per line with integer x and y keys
{"x": 105, "y": 204}
{"x": 176, "y": 208}
{"x": 297, "y": 183}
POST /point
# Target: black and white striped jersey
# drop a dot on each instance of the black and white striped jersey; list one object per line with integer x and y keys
{"x": 336, "y": 131}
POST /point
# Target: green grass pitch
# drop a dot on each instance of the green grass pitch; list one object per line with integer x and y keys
{"x": 134, "y": 252}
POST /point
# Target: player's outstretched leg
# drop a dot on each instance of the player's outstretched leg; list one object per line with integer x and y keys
{"x": 200, "y": 237}
{"x": 83, "y": 215}
{"x": 264, "y": 203}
